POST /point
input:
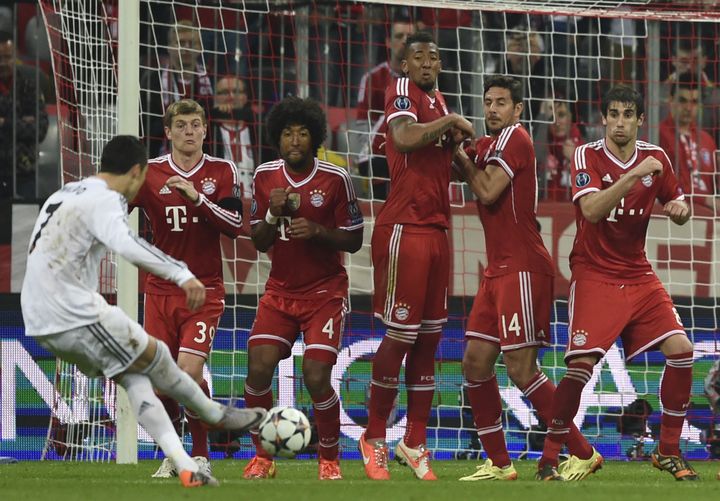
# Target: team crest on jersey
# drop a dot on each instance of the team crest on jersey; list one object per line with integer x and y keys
{"x": 253, "y": 207}
{"x": 647, "y": 181}
{"x": 402, "y": 103}
{"x": 208, "y": 185}
{"x": 401, "y": 311}
{"x": 293, "y": 201}
{"x": 582, "y": 179}
{"x": 579, "y": 338}
{"x": 317, "y": 198}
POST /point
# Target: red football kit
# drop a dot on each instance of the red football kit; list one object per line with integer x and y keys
{"x": 189, "y": 232}
{"x": 614, "y": 291}
{"x": 410, "y": 250}
{"x": 307, "y": 288}
{"x": 512, "y": 306}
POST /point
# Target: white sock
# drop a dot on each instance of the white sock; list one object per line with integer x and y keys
{"x": 172, "y": 381}
{"x": 152, "y": 416}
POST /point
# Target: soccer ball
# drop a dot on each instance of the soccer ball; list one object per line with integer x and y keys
{"x": 284, "y": 432}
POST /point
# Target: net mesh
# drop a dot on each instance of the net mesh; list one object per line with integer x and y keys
{"x": 565, "y": 53}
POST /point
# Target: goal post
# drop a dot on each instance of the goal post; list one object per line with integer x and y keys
{"x": 127, "y": 276}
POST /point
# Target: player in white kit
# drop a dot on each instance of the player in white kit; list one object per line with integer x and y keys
{"x": 64, "y": 312}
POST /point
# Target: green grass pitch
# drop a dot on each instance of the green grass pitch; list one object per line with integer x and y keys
{"x": 297, "y": 480}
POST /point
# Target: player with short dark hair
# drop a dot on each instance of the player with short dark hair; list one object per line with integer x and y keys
{"x": 64, "y": 313}
{"x": 190, "y": 199}
{"x": 614, "y": 291}
{"x": 410, "y": 255}
{"x": 307, "y": 212}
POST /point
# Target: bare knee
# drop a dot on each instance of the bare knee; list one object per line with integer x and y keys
{"x": 262, "y": 361}
{"x": 317, "y": 376}
{"x": 479, "y": 360}
{"x": 676, "y": 345}
{"x": 192, "y": 364}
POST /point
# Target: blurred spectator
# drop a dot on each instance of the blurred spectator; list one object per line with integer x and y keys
{"x": 371, "y": 108}
{"x": 182, "y": 76}
{"x": 525, "y": 60}
{"x": 233, "y": 128}
{"x": 454, "y": 30}
{"x": 23, "y": 123}
{"x": 691, "y": 149}
{"x": 689, "y": 58}
{"x": 555, "y": 145}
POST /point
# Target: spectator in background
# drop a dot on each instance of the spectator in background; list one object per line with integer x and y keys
{"x": 233, "y": 129}
{"x": 182, "y": 76}
{"x": 23, "y": 123}
{"x": 371, "y": 108}
{"x": 556, "y": 137}
{"x": 525, "y": 61}
{"x": 689, "y": 58}
{"x": 690, "y": 148}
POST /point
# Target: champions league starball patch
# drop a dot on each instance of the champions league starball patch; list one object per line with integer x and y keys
{"x": 402, "y": 103}
{"x": 582, "y": 179}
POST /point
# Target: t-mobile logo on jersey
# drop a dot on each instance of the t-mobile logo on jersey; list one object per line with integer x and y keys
{"x": 284, "y": 221}
{"x": 177, "y": 215}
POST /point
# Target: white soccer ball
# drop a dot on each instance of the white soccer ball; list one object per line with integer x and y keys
{"x": 284, "y": 432}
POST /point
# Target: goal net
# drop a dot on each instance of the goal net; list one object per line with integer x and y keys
{"x": 566, "y": 55}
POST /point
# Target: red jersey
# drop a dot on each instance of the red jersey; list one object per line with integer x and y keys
{"x": 301, "y": 268}
{"x": 512, "y": 239}
{"x": 693, "y": 156}
{"x": 187, "y": 231}
{"x": 419, "y": 179}
{"x": 613, "y": 249}
{"x": 371, "y": 105}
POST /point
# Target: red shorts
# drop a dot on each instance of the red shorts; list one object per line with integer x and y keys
{"x": 642, "y": 315}
{"x": 168, "y": 319}
{"x": 512, "y": 310}
{"x": 279, "y": 321}
{"x": 412, "y": 273}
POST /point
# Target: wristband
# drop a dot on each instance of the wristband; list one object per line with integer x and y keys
{"x": 270, "y": 219}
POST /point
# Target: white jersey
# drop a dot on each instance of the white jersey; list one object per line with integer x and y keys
{"x": 75, "y": 228}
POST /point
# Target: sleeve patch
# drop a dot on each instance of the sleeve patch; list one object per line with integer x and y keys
{"x": 354, "y": 213}
{"x": 582, "y": 179}
{"x": 402, "y": 103}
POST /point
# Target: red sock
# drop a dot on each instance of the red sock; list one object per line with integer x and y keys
{"x": 674, "y": 397}
{"x": 566, "y": 402}
{"x": 327, "y": 417}
{"x": 198, "y": 429}
{"x": 173, "y": 411}
{"x": 420, "y": 384}
{"x": 384, "y": 385}
{"x": 486, "y": 406}
{"x": 540, "y": 391}
{"x": 258, "y": 398}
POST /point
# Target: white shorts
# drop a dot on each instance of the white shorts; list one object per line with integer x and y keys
{"x": 107, "y": 347}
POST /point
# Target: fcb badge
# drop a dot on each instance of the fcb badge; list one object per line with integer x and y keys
{"x": 317, "y": 198}
{"x": 579, "y": 338}
{"x": 582, "y": 179}
{"x": 647, "y": 181}
{"x": 402, "y": 311}
{"x": 293, "y": 201}
{"x": 209, "y": 185}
